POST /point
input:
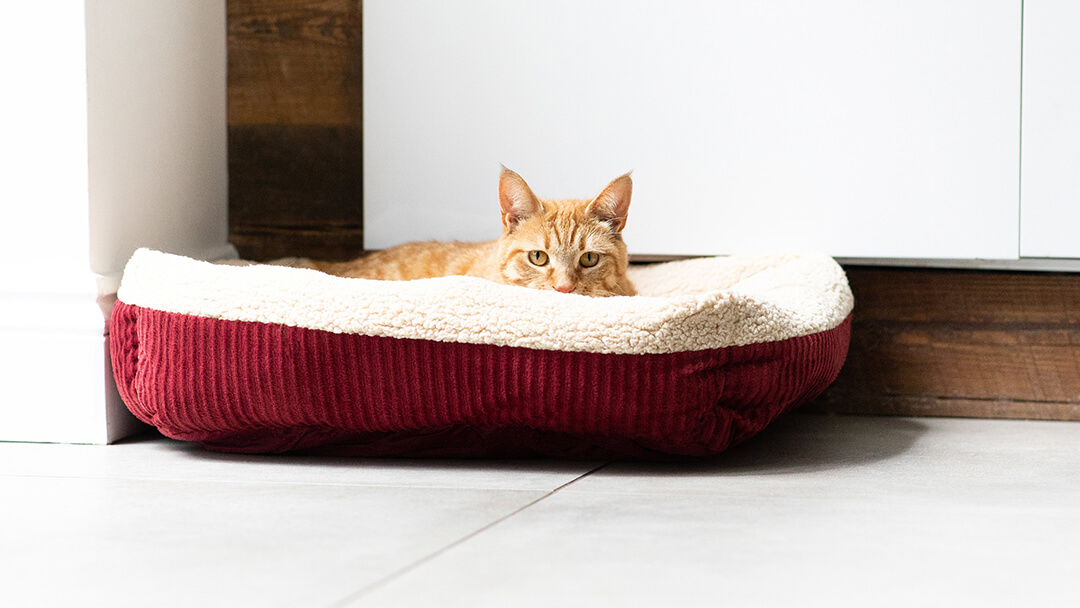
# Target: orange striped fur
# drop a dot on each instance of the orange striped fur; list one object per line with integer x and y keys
{"x": 572, "y": 246}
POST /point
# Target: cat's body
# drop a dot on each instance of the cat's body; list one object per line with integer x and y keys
{"x": 419, "y": 260}
{"x": 571, "y": 246}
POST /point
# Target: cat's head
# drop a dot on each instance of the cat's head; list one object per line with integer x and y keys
{"x": 572, "y": 246}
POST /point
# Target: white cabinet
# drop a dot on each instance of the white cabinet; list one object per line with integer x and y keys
{"x": 1050, "y": 179}
{"x": 867, "y": 129}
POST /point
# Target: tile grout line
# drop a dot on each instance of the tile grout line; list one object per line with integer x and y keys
{"x": 441, "y": 550}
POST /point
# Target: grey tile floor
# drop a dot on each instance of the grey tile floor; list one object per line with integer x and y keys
{"x": 815, "y": 511}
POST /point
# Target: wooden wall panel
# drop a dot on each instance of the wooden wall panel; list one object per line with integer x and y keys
{"x": 294, "y": 62}
{"x": 938, "y": 342}
{"x": 295, "y": 190}
{"x": 295, "y": 128}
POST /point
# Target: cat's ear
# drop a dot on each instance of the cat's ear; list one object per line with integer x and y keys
{"x": 613, "y": 203}
{"x": 516, "y": 199}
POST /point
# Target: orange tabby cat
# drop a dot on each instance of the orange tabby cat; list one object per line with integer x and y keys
{"x": 572, "y": 246}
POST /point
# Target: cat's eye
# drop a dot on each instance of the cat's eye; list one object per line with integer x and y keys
{"x": 538, "y": 258}
{"x": 589, "y": 259}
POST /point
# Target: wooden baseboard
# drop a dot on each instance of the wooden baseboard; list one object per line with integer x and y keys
{"x": 961, "y": 343}
{"x": 835, "y": 402}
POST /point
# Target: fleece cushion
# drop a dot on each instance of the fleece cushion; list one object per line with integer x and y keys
{"x": 270, "y": 359}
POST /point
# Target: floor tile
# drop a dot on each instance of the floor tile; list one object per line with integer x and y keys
{"x": 154, "y": 457}
{"x": 582, "y": 549}
{"x": 119, "y": 542}
{"x": 815, "y": 511}
{"x": 1004, "y": 462}
{"x": 818, "y": 511}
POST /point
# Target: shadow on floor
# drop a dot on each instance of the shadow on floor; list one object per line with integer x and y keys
{"x": 795, "y": 443}
{"x": 802, "y": 443}
{"x": 428, "y": 465}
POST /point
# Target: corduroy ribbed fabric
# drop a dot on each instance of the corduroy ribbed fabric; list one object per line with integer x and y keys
{"x": 257, "y": 387}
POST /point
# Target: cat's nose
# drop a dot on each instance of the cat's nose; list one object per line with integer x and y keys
{"x": 564, "y": 287}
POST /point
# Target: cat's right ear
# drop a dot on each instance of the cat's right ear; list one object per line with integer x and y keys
{"x": 516, "y": 199}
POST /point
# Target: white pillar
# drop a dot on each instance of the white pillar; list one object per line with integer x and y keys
{"x": 113, "y": 138}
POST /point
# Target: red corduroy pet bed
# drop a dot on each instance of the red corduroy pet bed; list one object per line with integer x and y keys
{"x": 273, "y": 359}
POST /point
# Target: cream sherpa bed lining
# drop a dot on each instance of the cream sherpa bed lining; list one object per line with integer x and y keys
{"x": 683, "y": 306}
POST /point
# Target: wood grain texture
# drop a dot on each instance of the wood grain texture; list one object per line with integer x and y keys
{"x": 906, "y": 405}
{"x": 953, "y": 343}
{"x": 295, "y": 190}
{"x": 295, "y": 128}
{"x": 295, "y": 63}
{"x": 974, "y": 297}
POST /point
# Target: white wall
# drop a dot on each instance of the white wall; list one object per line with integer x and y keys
{"x": 114, "y": 137}
{"x": 43, "y": 155}
{"x": 866, "y": 129}
{"x": 1050, "y": 194}
{"x": 157, "y": 129}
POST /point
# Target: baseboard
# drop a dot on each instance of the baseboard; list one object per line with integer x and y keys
{"x": 56, "y": 385}
{"x": 961, "y": 343}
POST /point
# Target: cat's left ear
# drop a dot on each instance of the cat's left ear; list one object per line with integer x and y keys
{"x": 613, "y": 203}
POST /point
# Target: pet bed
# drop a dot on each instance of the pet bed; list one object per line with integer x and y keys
{"x": 271, "y": 359}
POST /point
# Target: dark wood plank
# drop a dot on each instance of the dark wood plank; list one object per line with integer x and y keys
{"x": 964, "y": 343}
{"x": 295, "y": 119}
{"x": 903, "y": 405}
{"x": 893, "y": 294}
{"x": 272, "y": 243}
{"x": 1020, "y": 364}
{"x": 295, "y": 190}
{"x": 295, "y": 63}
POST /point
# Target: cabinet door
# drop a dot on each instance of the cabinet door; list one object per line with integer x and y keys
{"x": 865, "y": 129}
{"x": 1050, "y": 201}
